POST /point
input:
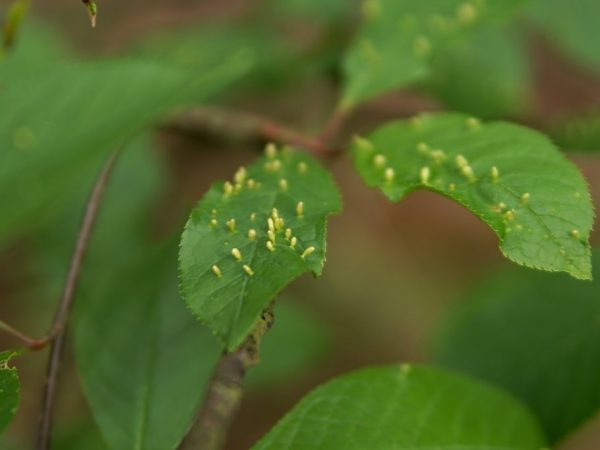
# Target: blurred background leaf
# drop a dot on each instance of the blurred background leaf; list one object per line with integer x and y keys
{"x": 572, "y": 26}
{"x": 536, "y": 335}
{"x": 487, "y": 74}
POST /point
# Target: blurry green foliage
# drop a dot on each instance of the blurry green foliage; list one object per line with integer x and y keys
{"x": 572, "y": 25}
{"x": 318, "y": 10}
{"x": 487, "y": 74}
{"x": 271, "y": 58}
{"x": 395, "y": 45}
{"x": 511, "y": 177}
{"x": 578, "y": 133}
{"x": 55, "y": 130}
{"x": 405, "y": 407}
{"x": 536, "y": 335}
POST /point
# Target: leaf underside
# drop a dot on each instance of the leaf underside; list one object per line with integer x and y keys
{"x": 405, "y": 408}
{"x": 228, "y": 292}
{"x": 511, "y": 177}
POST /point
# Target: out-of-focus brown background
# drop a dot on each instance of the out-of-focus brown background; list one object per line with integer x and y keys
{"x": 393, "y": 270}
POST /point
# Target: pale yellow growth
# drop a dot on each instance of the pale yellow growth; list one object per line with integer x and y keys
{"x": 248, "y": 270}
{"x": 227, "y": 188}
{"x": 525, "y": 198}
{"x": 389, "y": 175}
{"x": 236, "y": 254}
{"x": 575, "y": 234}
{"x": 438, "y": 156}
{"x": 217, "y": 271}
{"x": 271, "y": 151}
{"x": 302, "y": 167}
{"x": 271, "y": 224}
{"x": 379, "y": 161}
{"x": 251, "y": 183}
{"x": 300, "y": 209}
{"x": 425, "y": 174}
{"x": 363, "y": 144}
{"x": 494, "y": 173}
{"x": 423, "y": 148}
{"x": 461, "y": 161}
{"x": 271, "y": 235}
{"x": 231, "y": 225}
{"x": 240, "y": 175}
{"x": 214, "y": 222}
{"x": 253, "y": 217}
{"x": 422, "y": 46}
{"x": 468, "y": 173}
{"x": 283, "y": 184}
{"x": 309, "y": 251}
{"x": 294, "y": 242}
{"x": 473, "y": 123}
{"x": 279, "y": 223}
{"x": 509, "y": 215}
{"x": 251, "y": 234}
{"x": 466, "y": 13}
{"x": 288, "y": 233}
{"x": 271, "y": 246}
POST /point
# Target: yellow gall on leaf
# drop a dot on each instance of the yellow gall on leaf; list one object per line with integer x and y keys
{"x": 236, "y": 254}
{"x": 217, "y": 271}
{"x": 379, "y": 161}
{"x": 248, "y": 270}
{"x": 309, "y": 251}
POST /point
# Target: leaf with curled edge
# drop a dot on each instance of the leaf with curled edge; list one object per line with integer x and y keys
{"x": 511, "y": 177}
{"x": 247, "y": 239}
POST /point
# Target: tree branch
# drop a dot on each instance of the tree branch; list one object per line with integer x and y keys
{"x": 62, "y": 314}
{"x": 225, "y": 391}
{"x": 243, "y": 127}
{"x": 31, "y": 343}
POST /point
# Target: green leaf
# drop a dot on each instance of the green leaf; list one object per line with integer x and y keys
{"x": 572, "y": 25}
{"x": 578, "y": 133}
{"x": 487, "y": 75}
{"x": 9, "y": 389}
{"x": 131, "y": 330}
{"x": 297, "y": 341}
{"x": 228, "y": 275}
{"x": 512, "y": 178}
{"x": 266, "y": 54}
{"x": 535, "y": 335}
{"x": 143, "y": 360}
{"x": 55, "y": 130}
{"x": 405, "y": 408}
{"x": 399, "y": 37}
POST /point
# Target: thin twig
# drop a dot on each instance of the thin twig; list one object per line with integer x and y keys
{"x": 225, "y": 391}
{"x": 62, "y": 314}
{"x": 241, "y": 127}
{"x": 334, "y": 125}
{"x": 31, "y": 343}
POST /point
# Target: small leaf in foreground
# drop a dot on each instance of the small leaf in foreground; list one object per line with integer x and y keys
{"x": 9, "y": 389}
{"x": 512, "y": 178}
{"x": 536, "y": 335}
{"x": 405, "y": 408}
{"x": 247, "y": 239}
{"x": 394, "y": 46}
